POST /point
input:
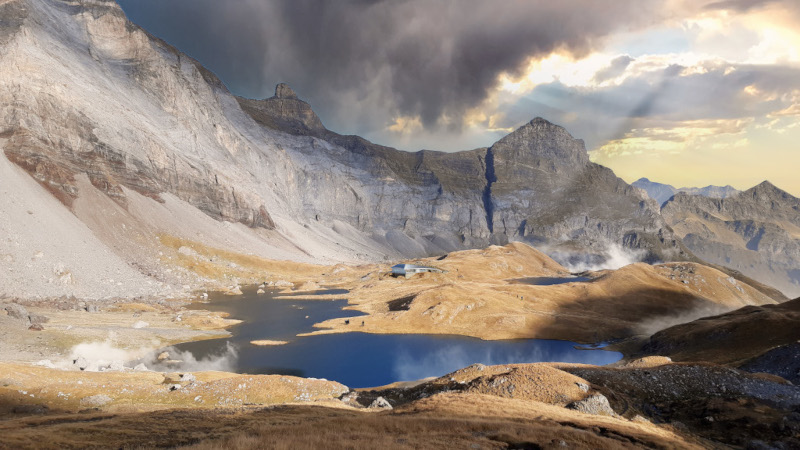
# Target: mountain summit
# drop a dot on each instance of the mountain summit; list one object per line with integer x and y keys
{"x": 542, "y": 142}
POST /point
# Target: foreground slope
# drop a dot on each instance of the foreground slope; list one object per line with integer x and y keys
{"x": 756, "y": 232}
{"x": 647, "y": 403}
{"x": 141, "y": 144}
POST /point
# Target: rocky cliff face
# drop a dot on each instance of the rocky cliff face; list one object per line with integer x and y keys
{"x": 536, "y": 185}
{"x": 756, "y": 232}
{"x": 139, "y": 141}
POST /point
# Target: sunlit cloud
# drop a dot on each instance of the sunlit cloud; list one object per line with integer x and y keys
{"x": 696, "y": 85}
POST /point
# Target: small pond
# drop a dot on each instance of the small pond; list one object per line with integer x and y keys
{"x": 354, "y": 359}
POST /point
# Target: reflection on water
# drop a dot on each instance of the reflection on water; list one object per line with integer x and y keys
{"x": 550, "y": 281}
{"x": 359, "y": 359}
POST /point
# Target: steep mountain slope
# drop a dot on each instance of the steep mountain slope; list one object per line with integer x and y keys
{"x": 662, "y": 192}
{"x": 536, "y": 185}
{"x": 756, "y": 232}
{"x": 143, "y": 145}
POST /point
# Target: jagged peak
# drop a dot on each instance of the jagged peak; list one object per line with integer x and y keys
{"x": 283, "y": 91}
{"x": 284, "y": 111}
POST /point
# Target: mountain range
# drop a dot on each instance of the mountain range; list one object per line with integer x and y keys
{"x": 662, "y": 192}
{"x": 756, "y": 232}
{"x": 115, "y": 142}
{"x": 115, "y": 146}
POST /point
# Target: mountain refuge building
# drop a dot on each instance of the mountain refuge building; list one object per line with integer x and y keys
{"x": 409, "y": 270}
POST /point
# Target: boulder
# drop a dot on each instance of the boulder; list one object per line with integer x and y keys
{"x": 380, "y": 403}
{"x": 96, "y": 400}
{"x": 188, "y": 378}
{"x": 38, "y": 318}
{"x": 593, "y": 404}
{"x": 17, "y": 312}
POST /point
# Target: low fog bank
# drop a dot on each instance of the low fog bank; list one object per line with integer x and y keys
{"x": 612, "y": 256}
{"x": 108, "y": 356}
{"x": 412, "y": 367}
{"x": 657, "y": 324}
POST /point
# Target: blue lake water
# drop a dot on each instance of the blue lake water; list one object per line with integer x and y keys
{"x": 357, "y": 359}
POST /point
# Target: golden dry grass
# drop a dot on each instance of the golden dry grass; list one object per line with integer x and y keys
{"x": 477, "y": 296}
{"x": 442, "y": 421}
{"x": 68, "y": 390}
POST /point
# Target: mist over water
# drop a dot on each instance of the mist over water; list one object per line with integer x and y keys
{"x": 448, "y": 358}
{"x": 612, "y": 257}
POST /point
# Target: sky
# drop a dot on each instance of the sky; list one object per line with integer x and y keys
{"x": 685, "y": 92}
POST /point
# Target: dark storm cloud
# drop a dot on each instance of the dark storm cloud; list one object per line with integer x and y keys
{"x": 615, "y": 69}
{"x": 361, "y": 62}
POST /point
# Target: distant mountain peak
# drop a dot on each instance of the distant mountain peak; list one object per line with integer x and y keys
{"x": 765, "y": 186}
{"x": 766, "y": 189}
{"x": 662, "y": 192}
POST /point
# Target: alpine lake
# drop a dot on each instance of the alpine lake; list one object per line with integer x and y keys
{"x": 356, "y": 359}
